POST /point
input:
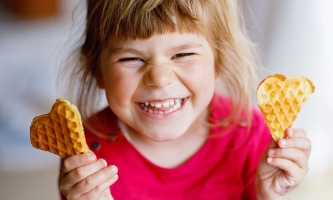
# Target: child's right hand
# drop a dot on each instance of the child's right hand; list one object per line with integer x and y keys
{"x": 84, "y": 177}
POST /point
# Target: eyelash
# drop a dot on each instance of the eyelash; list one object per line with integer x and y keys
{"x": 183, "y": 55}
{"x": 130, "y": 59}
{"x": 180, "y": 55}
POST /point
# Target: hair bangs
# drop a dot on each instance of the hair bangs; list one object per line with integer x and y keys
{"x": 142, "y": 19}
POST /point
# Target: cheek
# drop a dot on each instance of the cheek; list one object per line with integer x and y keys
{"x": 201, "y": 77}
{"x": 119, "y": 87}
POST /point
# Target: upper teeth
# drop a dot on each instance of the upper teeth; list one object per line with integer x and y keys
{"x": 165, "y": 104}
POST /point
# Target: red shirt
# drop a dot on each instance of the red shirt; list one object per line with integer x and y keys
{"x": 223, "y": 168}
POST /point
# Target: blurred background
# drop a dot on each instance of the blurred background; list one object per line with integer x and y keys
{"x": 294, "y": 37}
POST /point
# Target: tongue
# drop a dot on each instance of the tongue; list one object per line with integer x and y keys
{"x": 159, "y": 109}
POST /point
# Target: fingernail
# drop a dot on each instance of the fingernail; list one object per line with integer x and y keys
{"x": 113, "y": 168}
{"x": 92, "y": 156}
{"x": 283, "y": 142}
{"x": 271, "y": 152}
{"x": 269, "y": 160}
{"x": 105, "y": 163}
{"x": 291, "y": 132}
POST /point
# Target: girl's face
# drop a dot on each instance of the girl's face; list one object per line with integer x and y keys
{"x": 159, "y": 86}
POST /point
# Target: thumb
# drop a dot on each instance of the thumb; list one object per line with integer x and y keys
{"x": 106, "y": 195}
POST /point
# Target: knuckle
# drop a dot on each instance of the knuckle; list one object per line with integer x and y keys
{"x": 70, "y": 196}
{"x": 107, "y": 172}
{"x": 290, "y": 165}
{"x": 65, "y": 165}
{"x": 98, "y": 189}
{"x": 299, "y": 154}
{"x": 101, "y": 163}
{"x": 62, "y": 189}
{"x": 62, "y": 180}
{"x": 79, "y": 172}
{"x": 88, "y": 181}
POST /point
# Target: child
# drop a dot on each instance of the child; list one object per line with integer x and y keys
{"x": 166, "y": 129}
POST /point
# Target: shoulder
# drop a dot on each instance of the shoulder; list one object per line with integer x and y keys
{"x": 222, "y": 108}
{"x": 101, "y": 129}
{"x": 254, "y": 129}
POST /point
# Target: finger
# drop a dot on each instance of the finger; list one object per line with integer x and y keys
{"x": 100, "y": 189}
{"x": 75, "y": 161}
{"x": 303, "y": 144}
{"x": 295, "y": 133}
{"x": 288, "y": 166}
{"x": 94, "y": 180}
{"x": 78, "y": 174}
{"x": 295, "y": 155}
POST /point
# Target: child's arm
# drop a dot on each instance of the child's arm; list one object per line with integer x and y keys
{"x": 84, "y": 177}
{"x": 283, "y": 166}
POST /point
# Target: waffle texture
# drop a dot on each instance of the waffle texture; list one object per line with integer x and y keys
{"x": 60, "y": 131}
{"x": 280, "y": 99}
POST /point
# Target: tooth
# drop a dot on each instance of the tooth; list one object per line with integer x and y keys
{"x": 158, "y": 105}
{"x": 166, "y": 105}
{"x": 150, "y": 110}
{"x": 172, "y": 102}
{"x": 160, "y": 112}
{"x": 145, "y": 109}
{"x": 152, "y": 104}
{"x": 155, "y": 112}
{"x": 177, "y": 100}
{"x": 146, "y": 103}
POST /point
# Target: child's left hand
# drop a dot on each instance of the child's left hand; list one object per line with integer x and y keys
{"x": 283, "y": 166}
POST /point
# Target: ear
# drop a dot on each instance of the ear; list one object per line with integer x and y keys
{"x": 99, "y": 78}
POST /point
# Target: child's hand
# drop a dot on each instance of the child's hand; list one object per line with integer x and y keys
{"x": 283, "y": 166}
{"x": 84, "y": 177}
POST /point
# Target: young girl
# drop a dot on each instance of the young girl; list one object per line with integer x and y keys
{"x": 167, "y": 133}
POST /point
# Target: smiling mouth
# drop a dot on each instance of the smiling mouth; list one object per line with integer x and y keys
{"x": 165, "y": 107}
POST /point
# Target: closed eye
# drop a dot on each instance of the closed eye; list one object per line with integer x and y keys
{"x": 180, "y": 55}
{"x": 130, "y": 59}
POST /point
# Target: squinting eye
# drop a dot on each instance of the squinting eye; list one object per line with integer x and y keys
{"x": 130, "y": 59}
{"x": 183, "y": 55}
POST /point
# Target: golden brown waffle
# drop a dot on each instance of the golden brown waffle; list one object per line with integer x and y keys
{"x": 281, "y": 99}
{"x": 60, "y": 131}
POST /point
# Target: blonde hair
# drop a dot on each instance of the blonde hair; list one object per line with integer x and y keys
{"x": 219, "y": 21}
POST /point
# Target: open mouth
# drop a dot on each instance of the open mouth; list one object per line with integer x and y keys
{"x": 165, "y": 107}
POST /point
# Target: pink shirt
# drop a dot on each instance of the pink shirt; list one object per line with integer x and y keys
{"x": 223, "y": 168}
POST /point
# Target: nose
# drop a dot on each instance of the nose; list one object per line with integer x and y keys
{"x": 159, "y": 76}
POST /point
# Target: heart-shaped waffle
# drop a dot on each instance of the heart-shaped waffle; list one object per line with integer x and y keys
{"x": 60, "y": 131}
{"x": 280, "y": 100}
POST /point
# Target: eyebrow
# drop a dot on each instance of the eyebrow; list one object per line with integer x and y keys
{"x": 185, "y": 46}
{"x": 173, "y": 49}
{"x": 129, "y": 50}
